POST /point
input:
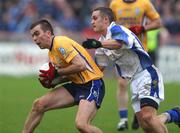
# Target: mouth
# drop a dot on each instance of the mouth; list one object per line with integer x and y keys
{"x": 93, "y": 27}
{"x": 38, "y": 43}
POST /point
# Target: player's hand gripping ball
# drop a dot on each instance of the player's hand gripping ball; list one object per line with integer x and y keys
{"x": 48, "y": 75}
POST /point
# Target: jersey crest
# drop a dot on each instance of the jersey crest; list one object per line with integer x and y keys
{"x": 62, "y": 51}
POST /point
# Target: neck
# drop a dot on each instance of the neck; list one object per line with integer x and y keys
{"x": 104, "y": 32}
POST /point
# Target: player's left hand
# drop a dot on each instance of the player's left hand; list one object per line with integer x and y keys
{"x": 91, "y": 43}
{"x": 46, "y": 83}
{"x": 137, "y": 29}
{"x": 48, "y": 74}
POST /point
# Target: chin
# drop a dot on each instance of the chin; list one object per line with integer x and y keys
{"x": 95, "y": 30}
{"x": 43, "y": 48}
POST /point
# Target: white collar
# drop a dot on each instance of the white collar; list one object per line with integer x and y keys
{"x": 111, "y": 25}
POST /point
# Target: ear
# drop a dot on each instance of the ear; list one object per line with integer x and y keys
{"x": 106, "y": 20}
{"x": 48, "y": 34}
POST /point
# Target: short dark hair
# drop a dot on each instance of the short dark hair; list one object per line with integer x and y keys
{"x": 45, "y": 25}
{"x": 105, "y": 11}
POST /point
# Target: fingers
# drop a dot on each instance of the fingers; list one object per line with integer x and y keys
{"x": 43, "y": 71}
{"x": 45, "y": 80}
{"x": 84, "y": 45}
{"x": 87, "y": 44}
{"x": 43, "y": 75}
{"x": 46, "y": 76}
{"x": 51, "y": 65}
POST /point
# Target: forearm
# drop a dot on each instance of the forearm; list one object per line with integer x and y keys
{"x": 72, "y": 69}
{"x": 60, "y": 80}
{"x": 77, "y": 65}
{"x": 155, "y": 24}
{"x": 111, "y": 44}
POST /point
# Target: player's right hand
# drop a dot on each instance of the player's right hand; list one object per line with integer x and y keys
{"x": 91, "y": 43}
{"x": 48, "y": 74}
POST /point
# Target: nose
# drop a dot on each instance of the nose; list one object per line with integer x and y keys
{"x": 34, "y": 38}
{"x": 92, "y": 22}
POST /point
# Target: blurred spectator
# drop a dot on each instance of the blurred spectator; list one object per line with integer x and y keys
{"x": 173, "y": 24}
{"x": 167, "y": 12}
{"x": 28, "y": 15}
{"x": 18, "y": 14}
{"x": 68, "y": 18}
{"x": 72, "y": 15}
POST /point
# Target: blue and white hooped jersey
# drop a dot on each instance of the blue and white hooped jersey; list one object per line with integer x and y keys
{"x": 128, "y": 59}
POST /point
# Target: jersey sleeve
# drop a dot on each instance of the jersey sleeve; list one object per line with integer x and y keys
{"x": 66, "y": 50}
{"x": 151, "y": 12}
{"x": 118, "y": 34}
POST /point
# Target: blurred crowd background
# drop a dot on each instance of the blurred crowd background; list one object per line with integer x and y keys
{"x": 71, "y": 17}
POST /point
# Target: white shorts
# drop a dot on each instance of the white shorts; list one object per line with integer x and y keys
{"x": 147, "y": 84}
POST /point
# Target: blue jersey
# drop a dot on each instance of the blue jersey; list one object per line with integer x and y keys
{"x": 130, "y": 58}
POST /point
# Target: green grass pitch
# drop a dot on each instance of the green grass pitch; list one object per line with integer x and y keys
{"x": 17, "y": 95}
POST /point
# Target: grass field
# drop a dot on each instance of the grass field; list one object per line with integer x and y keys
{"x": 17, "y": 95}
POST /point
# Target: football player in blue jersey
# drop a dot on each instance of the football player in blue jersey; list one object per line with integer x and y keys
{"x": 132, "y": 63}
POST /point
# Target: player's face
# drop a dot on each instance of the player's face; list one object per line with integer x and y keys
{"x": 97, "y": 22}
{"x": 41, "y": 38}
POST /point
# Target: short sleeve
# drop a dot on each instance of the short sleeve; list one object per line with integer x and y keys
{"x": 118, "y": 34}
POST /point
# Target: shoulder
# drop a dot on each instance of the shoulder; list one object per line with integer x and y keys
{"x": 61, "y": 41}
{"x": 147, "y": 3}
{"x": 116, "y": 29}
{"x": 61, "y": 38}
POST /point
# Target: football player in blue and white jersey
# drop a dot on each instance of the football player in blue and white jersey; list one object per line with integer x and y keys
{"x": 133, "y": 63}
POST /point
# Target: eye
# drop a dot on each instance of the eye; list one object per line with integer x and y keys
{"x": 36, "y": 33}
{"x": 94, "y": 18}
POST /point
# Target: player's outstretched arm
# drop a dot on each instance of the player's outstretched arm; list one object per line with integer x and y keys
{"x": 112, "y": 44}
{"x": 109, "y": 44}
